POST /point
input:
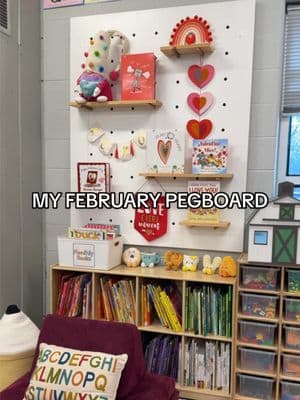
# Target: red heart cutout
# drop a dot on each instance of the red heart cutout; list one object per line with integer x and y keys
{"x": 201, "y": 75}
{"x": 199, "y": 129}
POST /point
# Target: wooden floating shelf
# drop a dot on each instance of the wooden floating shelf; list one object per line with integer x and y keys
{"x": 202, "y": 48}
{"x": 90, "y": 105}
{"x": 153, "y": 175}
{"x": 205, "y": 224}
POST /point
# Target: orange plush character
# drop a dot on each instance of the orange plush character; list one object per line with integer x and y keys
{"x": 227, "y": 267}
{"x": 173, "y": 260}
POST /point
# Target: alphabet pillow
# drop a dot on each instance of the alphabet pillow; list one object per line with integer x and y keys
{"x": 63, "y": 373}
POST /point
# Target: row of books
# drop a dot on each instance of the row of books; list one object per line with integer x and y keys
{"x": 74, "y": 296}
{"x": 208, "y": 310}
{"x": 162, "y": 355}
{"x": 116, "y": 300}
{"x": 164, "y": 303}
{"x": 207, "y": 364}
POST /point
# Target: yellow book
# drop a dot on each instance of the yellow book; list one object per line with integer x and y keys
{"x": 176, "y": 325}
{"x": 158, "y": 305}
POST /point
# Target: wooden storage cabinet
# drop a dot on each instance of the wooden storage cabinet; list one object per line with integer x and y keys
{"x": 183, "y": 280}
{"x": 276, "y": 337}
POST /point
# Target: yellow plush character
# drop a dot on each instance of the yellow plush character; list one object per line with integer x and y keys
{"x": 173, "y": 260}
{"x": 228, "y": 267}
{"x": 190, "y": 263}
{"x": 210, "y": 267}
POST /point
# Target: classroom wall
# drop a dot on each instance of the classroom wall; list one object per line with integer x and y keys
{"x": 56, "y": 140}
{"x": 21, "y": 263}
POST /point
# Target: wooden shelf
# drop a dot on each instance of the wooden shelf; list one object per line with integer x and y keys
{"x": 205, "y": 224}
{"x": 288, "y": 322}
{"x": 259, "y": 291}
{"x": 202, "y": 48}
{"x": 190, "y": 389}
{"x": 292, "y": 378}
{"x": 256, "y": 346}
{"x": 256, "y": 373}
{"x": 290, "y": 294}
{"x": 161, "y": 175}
{"x": 118, "y": 104}
{"x": 290, "y": 351}
{"x": 258, "y": 319}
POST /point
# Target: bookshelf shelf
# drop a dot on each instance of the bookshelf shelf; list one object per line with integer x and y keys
{"x": 279, "y": 347}
{"x": 139, "y": 276}
{"x": 205, "y": 224}
{"x": 165, "y": 175}
{"x": 202, "y": 48}
{"x": 118, "y": 104}
{"x": 290, "y": 294}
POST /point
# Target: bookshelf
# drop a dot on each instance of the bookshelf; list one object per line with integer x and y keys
{"x": 183, "y": 280}
{"x": 279, "y": 350}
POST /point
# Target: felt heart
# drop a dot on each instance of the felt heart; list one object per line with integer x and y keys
{"x": 199, "y": 129}
{"x": 200, "y": 103}
{"x": 164, "y": 150}
{"x": 201, "y": 75}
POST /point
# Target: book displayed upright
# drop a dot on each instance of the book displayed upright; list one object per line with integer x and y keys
{"x": 209, "y": 156}
{"x": 204, "y": 214}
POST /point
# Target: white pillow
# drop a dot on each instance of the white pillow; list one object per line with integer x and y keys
{"x": 62, "y": 373}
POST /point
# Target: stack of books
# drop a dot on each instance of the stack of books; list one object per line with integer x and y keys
{"x": 207, "y": 364}
{"x": 162, "y": 355}
{"x": 116, "y": 300}
{"x": 164, "y": 303}
{"x": 208, "y": 310}
{"x": 74, "y": 296}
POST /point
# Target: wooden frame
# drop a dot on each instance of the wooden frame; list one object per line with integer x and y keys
{"x": 138, "y": 274}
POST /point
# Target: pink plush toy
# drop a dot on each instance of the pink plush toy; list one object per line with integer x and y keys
{"x": 102, "y": 65}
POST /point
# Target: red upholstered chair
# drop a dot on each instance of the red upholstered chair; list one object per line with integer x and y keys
{"x": 109, "y": 337}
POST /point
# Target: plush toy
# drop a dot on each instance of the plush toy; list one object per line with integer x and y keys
{"x": 150, "y": 259}
{"x": 190, "y": 263}
{"x": 210, "y": 266}
{"x": 101, "y": 66}
{"x": 132, "y": 257}
{"x": 173, "y": 260}
{"x": 228, "y": 267}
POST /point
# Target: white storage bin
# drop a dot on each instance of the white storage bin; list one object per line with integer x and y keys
{"x": 256, "y": 387}
{"x": 256, "y": 360}
{"x": 98, "y": 254}
{"x": 291, "y": 365}
{"x": 290, "y": 391}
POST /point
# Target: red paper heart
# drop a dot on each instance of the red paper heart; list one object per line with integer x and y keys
{"x": 201, "y": 75}
{"x": 199, "y": 129}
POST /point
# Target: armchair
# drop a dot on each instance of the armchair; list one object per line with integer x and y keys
{"x": 110, "y": 337}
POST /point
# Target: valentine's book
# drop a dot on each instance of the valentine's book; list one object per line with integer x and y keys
{"x": 210, "y": 156}
{"x": 138, "y": 76}
{"x": 165, "y": 151}
{"x": 204, "y": 214}
{"x": 93, "y": 177}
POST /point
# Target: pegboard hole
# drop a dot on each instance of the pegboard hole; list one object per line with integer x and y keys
{"x": 177, "y": 82}
{"x": 131, "y": 221}
{"x": 132, "y": 108}
{"x": 224, "y": 104}
{"x": 226, "y": 53}
{"x": 173, "y": 223}
{"x": 110, "y": 220}
{"x": 133, "y": 35}
{"x": 131, "y": 177}
{"x": 177, "y": 106}
{"x": 223, "y": 130}
{"x": 227, "y": 26}
{"x": 112, "y": 109}
{"x": 91, "y": 154}
{"x": 111, "y": 85}
{"x": 132, "y": 132}
{"x": 155, "y": 33}
{"x": 111, "y": 176}
{"x": 111, "y": 154}
{"x": 111, "y": 61}
{"x": 225, "y": 78}
{"x": 111, "y": 132}
{"x": 91, "y": 219}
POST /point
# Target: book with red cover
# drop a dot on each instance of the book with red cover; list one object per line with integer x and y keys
{"x": 138, "y": 76}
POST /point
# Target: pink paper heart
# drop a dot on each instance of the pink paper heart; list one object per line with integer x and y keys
{"x": 200, "y": 103}
{"x": 201, "y": 75}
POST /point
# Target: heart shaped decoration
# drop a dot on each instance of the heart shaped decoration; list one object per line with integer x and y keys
{"x": 164, "y": 150}
{"x": 201, "y": 75}
{"x": 200, "y": 103}
{"x": 199, "y": 129}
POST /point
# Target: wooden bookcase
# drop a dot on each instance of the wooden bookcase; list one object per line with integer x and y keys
{"x": 279, "y": 344}
{"x": 182, "y": 279}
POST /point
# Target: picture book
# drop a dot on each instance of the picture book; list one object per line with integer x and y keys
{"x": 93, "y": 177}
{"x": 165, "y": 151}
{"x": 206, "y": 214}
{"x": 138, "y": 76}
{"x": 209, "y": 156}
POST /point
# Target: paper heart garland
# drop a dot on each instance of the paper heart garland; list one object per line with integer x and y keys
{"x": 164, "y": 150}
{"x": 201, "y": 75}
{"x": 200, "y": 103}
{"x": 199, "y": 129}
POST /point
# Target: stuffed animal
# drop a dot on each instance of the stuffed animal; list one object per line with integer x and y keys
{"x": 228, "y": 267}
{"x": 173, "y": 260}
{"x": 132, "y": 257}
{"x": 101, "y": 66}
{"x": 210, "y": 266}
{"x": 150, "y": 259}
{"x": 190, "y": 263}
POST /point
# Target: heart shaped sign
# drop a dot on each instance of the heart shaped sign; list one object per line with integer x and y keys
{"x": 200, "y": 103}
{"x": 164, "y": 150}
{"x": 199, "y": 129}
{"x": 201, "y": 75}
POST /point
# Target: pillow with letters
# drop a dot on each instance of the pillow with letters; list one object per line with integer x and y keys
{"x": 63, "y": 373}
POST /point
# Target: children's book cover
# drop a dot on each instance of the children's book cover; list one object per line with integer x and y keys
{"x": 204, "y": 214}
{"x": 165, "y": 151}
{"x": 138, "y": 76}
{"x": 210, "y": 156}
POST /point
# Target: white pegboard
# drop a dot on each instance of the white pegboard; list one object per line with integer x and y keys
{"x": 232, "y": 25}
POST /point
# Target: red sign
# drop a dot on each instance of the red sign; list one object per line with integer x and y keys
{"x": 151, "y": 222}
